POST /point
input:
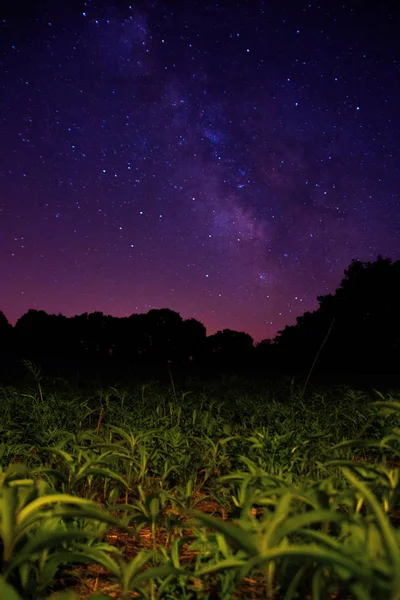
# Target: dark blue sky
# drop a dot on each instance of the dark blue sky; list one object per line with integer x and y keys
{"x": 225, "y": 160}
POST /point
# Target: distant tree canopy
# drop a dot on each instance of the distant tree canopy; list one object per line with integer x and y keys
{"x": 362, "y": 319}
{"x": 158, "y": 336}
{"x": 4, "y": 324}
{"x": 5, "y": 332}
{"x": 364, "y": 313}
{"x": 229, "y": 346}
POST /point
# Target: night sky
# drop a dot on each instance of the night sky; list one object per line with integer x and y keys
{"x": 224, "y": 160}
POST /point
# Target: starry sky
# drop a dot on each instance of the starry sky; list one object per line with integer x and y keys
{"x": 226, "y": 160}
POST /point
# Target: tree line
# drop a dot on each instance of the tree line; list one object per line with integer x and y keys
{"x": 356, "y": 329}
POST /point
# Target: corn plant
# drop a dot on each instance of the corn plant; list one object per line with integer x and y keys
{"x": 38, "y": 527}
{"x": 80, "y": 468}
{"x": 347, "y": 561}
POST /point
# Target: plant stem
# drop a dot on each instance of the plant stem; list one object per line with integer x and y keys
{"x": 316, "y": 357}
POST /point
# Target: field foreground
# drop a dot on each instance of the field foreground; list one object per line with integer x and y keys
{"x": 225, "y": 490}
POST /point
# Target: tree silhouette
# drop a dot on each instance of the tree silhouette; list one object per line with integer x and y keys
{"x": 229, "y": 347}
{"x": 266, "y": 355}
{"x": 5, "y": 333}
{"x": 366, "y": 332}
{"x": 164, "y": 329}
{"x": 93, "y": 334}
{"x": 38, "y": 334}
{"x": 193, "y": 340}
{"x": 355, "y": 329}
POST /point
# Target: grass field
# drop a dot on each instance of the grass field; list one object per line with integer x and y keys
{"x": 225, "y": 489}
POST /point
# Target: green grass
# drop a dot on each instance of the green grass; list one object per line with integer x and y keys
{"x": 224, "y": 490}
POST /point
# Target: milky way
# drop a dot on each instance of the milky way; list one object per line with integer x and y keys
{"x": 225, "y": 160}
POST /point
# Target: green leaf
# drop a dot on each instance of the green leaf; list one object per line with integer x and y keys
{"x": 56, "y": 473}
{"x": 8, "y": 520}
{"x": 67, "y": 457}
{"x": 239, "y": 539}
{"x": 299, "y": 522}
{"x": 314, "y": 553}
{"x": 104, "y": 472}
{"x": 92, "y": 554}
{"x": 131, "y": 569}
{"x": 388, "y": 533}
{"x": 38, "y": 503}
{"x": 230, "y": 563}
{"x": 47, "y": 540}
{"x": 7, "y": 591}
